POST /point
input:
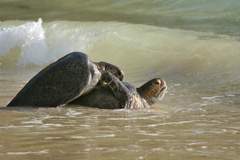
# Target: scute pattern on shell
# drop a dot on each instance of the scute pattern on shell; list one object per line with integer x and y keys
{"x": 57, "y": 84}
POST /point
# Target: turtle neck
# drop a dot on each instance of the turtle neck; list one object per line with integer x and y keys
{"x": 143, "y": 91}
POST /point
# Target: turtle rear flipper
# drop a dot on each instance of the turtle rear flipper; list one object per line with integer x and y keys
{"x": 110, "y": 93}
{"x": 118, "y": 88}
{"x": 108, "y": 67}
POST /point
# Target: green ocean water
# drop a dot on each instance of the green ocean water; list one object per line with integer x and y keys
{"x": 192, "y": 44}
{"x": 219, "y": 16}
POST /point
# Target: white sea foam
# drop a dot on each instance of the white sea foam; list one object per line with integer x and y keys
{"x": 29, "y": 38}
{"x": 28, "y": 152}
{"x": 33, "y": 121}
{"x": 212, "y": 97}
{"x": 40, "y": 43}
{"x": 105, "y": 136}
{"x": 72, "y": 113}
{"x": 29, "y": 43}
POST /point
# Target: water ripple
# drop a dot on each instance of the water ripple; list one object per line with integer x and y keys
{"x": 29, "y": 152}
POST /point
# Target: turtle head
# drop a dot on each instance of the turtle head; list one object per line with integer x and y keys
{"x": 153, "y": 91}
{"x": 107, "y": 67}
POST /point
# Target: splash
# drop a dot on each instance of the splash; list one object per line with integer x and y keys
{"x": 33, "y": 43}
{"x": 29, "y": 38}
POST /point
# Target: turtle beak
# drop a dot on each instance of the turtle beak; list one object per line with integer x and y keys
{"x": 162, "y": 91}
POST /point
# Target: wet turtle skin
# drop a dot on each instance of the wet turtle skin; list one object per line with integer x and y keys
{"x": 115, "y": 94}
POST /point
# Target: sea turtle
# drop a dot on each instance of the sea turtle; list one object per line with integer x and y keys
{"x": 115, "y": 94}
{"x": 63, "y": 81}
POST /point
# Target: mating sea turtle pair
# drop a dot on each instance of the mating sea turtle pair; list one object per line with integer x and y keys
{"x": 77, "y": 80}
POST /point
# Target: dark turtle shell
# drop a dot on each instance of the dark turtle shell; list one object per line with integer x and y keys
{"x": 59, "y": 83}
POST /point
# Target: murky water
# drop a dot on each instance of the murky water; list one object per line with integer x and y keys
{"x": 77, "y": 133}
{"x": 183, "y": 126}
{"x": 199, "y": 117}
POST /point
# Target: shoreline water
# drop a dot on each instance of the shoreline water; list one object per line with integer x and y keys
{"x": 192, "y": 45}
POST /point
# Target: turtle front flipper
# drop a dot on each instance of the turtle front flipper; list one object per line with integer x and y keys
{"x": 119, "y": 90}
{"x": 108, "y": 67}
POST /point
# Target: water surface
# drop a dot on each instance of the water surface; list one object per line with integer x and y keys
{"x": 193, "y": 45}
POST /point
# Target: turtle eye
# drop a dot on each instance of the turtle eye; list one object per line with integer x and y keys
{"x": 157, "y": 82}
